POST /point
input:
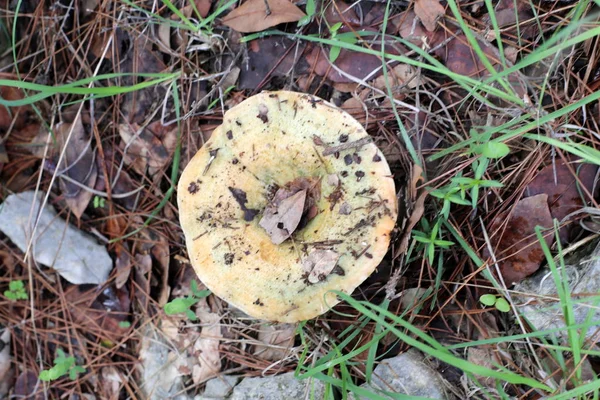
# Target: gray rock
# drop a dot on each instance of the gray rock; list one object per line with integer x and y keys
{"x": 279, "y": 387}
{"x": 407, "y": 374}
{"x": 543, "y": 312}
{"x": 76, "y": 256}
{"x": 219, "y": 388}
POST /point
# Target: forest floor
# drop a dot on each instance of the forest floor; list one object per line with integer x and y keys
{"x": 486, "y": 111}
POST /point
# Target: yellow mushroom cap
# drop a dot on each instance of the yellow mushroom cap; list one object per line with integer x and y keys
{"x": 287, "y": 141}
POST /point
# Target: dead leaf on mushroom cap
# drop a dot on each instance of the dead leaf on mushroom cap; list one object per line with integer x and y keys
{"x": 319, "y": 264}
{"x": 281, "y": 220}
{"x": 253, "y": 16}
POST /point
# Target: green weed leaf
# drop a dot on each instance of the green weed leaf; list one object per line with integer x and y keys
{"x": 334, "y": 53}
{"x": 488, "y": 300}
{"x": 495, "y": 150}
{"x": 502, "y": 305}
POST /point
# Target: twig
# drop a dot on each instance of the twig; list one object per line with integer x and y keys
{"x": 346, "y": 146}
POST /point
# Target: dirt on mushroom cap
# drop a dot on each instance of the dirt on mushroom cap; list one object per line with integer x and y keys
{"x": 264, "y": 143}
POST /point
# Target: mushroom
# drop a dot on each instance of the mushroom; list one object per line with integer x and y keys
{"x": 288, "y": 201}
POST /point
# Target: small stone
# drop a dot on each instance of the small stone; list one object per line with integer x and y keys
{"x": 407, "y": 374}
{"x": 333, "y": 180}
{"x": 345, "y": 208}
{"x": 582, "y": 272}
{"x": 76, "y": 256}
{"x": 279, "y": 387}
{"x": 219, "y": 388}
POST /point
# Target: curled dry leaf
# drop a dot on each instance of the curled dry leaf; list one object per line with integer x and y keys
{"x": 429, "y": 12}
{"x": 281, "y": 220}
{"x": 353, "y": 65}
{"x": 271, "y": 57}
{"x": 78, "y": 169}
{"x": 99, "y": 313}
{"x": 319, "y": 264}
{"x": 112, "y": 381}
{"x": 27, "y": 387}
{"x": 6, "y": 373}
{"x": 206, "y": 348}
{"x": 258, "y": 15}
{"x": 518, "y": 251}
{"x": 120, "y": 179}
{"x": 565, "y": 191}
{"x": 414, "y": 206}
{"x": 400, "y": 75}
{"x": 277, "y": 341}
{"x": 149, "y": 148}
{"x": 157, "y": 246}
{"x": 14, "y": 117}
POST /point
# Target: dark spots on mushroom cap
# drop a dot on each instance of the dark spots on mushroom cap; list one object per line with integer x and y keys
{"x": 343, "y": 138}
{"x": 369, "y": 255}
{"x": 240, "y": 196}
{"x": 359, "y": 175}
{"x": 229, "y": 134}
{"x": 235, "y": 161}
{"x": 262, "y": 113}
{"x": 193, "y": 187}
{"x": 344, "y": 174}
{"x": 376, "y": 158}
{"x": 348, "y": 159}
{"x": 229, "y": 258}
{"x": 338, "y": 271}
{"x": 356, "y": 158}
{"x": 258, "y": 302}
{"x": 238, "y": 123}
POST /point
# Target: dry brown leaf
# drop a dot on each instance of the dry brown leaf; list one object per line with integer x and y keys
{"x": 121, "y": 180}
{"x": 149, "y": 148}
{"x": 270, "y": 57}
{"x": 79, "y": 165}
{"x": 253, "y": 16}
{"x": 27, "y": 387}
{"x": 281, "y": 220}
{"x": 277, "y": 339}
{"x": 99, "y": 313}
{"x": 351, "y": 65}
{"x": 112, "y": 381}
{"x": 206, "y": 348}
{"x": 18, "y": 114}
{"x": 158, "y": 247}
{"x": 6, "y": 372}
{"x": 565, "y": 190}
{"x": 401, "y": 74}
{"x": 518, "y": 251}
{"x": 319, "y": 264}
{"x": 78, "y": 169}
{"x": 429, "y": 11}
